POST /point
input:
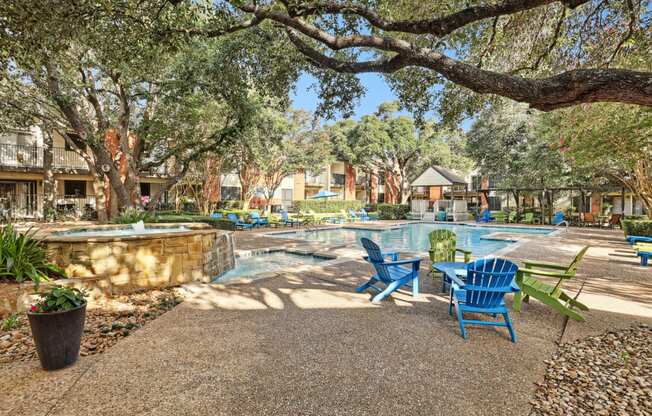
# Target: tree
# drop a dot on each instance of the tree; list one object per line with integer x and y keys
{"x": 505, "y": 145}
{"x": 611, "y": 141}
{"x": 547, "y": 53}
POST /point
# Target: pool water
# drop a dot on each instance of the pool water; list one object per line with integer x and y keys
{"x": 267, "y": 262}
{"x": 414, "y": 237}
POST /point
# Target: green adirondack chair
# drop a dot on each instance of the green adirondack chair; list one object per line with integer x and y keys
{"x": 443, "y": 248}
{"x": 512, "y": 216}
{"x": 528, "y": 218}
{"x": 552, "y": 296}
{"x": 500, "y": 217}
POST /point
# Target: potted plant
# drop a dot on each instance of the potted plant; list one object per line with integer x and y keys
{"x": 57, "y": 323}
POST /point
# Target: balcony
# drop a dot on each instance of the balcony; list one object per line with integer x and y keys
{"x": 14, "y": 156}
{"x": 319, "y": 180}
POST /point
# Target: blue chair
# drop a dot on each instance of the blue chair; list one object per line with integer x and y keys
{"x": 286, "y": 220}
{"x": 645, "y": 256}
{"x": 239, "y": 224}
{"x": 487, "y": 281}
{"x": 353, "y": 215}
{"x": 391, "y": 273}
{"x": 363, "y": 215}
{"x": 633, "y": 239}
{"x": 217, "y": 215}
{"x": 486, "y": 216}
{"x": 558, "y": 219}
{"x": 257, "y": 220}
{"x": 441, "y": 215}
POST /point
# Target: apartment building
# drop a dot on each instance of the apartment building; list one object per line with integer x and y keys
{"x": 22, "y": 174}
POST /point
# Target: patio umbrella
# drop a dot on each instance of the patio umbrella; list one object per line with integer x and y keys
{"x": 323, "y": 194}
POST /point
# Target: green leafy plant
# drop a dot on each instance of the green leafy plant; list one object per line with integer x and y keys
{"x": 23, "y": 258}
{"x": 59, "y": 299}
{"x": 637, "y": 227}
{"x": 133, "y": 215}
{"x": 392, "y": 211}
{"x": 10, "y": 322}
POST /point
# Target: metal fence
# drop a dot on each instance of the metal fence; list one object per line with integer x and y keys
{"x": 22, "y": 156}
{"x": 30, "y": 206}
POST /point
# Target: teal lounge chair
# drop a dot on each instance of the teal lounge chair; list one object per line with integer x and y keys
{"x": 257, "y": 220}
{"x": 482, "y": 291}
{"x": 392, "y": 274}
{"x": 239, "y": 224}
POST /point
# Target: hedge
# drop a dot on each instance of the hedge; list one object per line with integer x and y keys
{"x": 637, "y": 227}
{"x": 220, "y": 223}
{"x": 327, "y": 206}
{"x": 392, "y": 211}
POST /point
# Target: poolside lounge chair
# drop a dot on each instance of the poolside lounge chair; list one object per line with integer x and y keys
{"x": 257, "y": 220}
{"x": 442, "y": 254}
{"x": 239, "y": 224}
{"x": 367, "y": 217}
{"x": 390, "y": 273}
{"x": 558, "y": 219}
{"x": 512, "y": 216}
{"x": 588, "y": 220}
{"x": 354, "y": 216}
{"x": 528, "y": 218}
{"x": 614, "y": 221}
{"x": 483, "y": 291}
{"x": 441, "y": 215}
{"x": 500, "y": 217}
{"x": 552, "y": 296}
{"x": 286, "y": 220}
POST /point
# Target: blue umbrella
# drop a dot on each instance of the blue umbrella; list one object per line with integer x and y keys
{"x": 323, "y": 194}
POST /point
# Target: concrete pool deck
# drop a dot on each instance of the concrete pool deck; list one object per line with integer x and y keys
{"x": 304, "y": 343}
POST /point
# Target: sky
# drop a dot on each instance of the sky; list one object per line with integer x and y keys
{"x": 377, "y": 92}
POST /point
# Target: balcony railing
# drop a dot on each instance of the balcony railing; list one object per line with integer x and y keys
{"x": 22, "y": 156}
{"x": 316, "y": 180}
{"x": 30, "y": 205}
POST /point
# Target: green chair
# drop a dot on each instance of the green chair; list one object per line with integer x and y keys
{"x": 528, "y": 218}
{"x": 552, "y": 296}
{"x": 443, "y": 248}
{"x": 511, "y": 218}
{"x": 500, "y": 217}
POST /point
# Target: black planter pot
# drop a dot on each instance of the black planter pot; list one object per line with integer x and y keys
{"x": 57, "y": 336}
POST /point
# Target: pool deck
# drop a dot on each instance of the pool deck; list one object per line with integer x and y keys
{"x": 304, "y": 343}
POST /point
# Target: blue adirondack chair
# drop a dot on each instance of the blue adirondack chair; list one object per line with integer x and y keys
{"x": 354, "y": 215}
{"x": 239, "y": 224}
{"x": 558, "y": 219}
{"x": 487, "y": 281}
{"x": 633, "y": 239}
{"x": 257, "y": 220}
{"x": 365, "y": 216}
{"x": 286, "y": 220}
{"x": 389, "y": 271}
{"x": 486, "y": 216}
{"x": 441, "y": 215}
{"x": 217, "y": 215}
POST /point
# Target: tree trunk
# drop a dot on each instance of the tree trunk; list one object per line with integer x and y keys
{"x": 49, "y": 184}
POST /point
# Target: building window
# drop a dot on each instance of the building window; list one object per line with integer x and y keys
{"x": 494, "y": 203}
{"x": 337, "y": 179}
{"x": 381, "y": 197}
{"x": 230, "y": 193}
{"x": 476, "y": 183}
{"x": 145, "y": 189}
{"x": 286, "y": 194}
{"x": 76, "y": 189}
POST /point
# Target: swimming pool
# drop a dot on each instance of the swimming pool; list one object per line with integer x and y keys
{"x": 414, "y": 237}
{"x": 267, "y": 262}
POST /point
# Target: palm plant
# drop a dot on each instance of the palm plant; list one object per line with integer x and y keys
{"x": 23, "y": 258}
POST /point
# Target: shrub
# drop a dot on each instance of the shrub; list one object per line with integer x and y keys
{"x": 132, "y": 216}
{"x": 637, "y": 227}
{"x": 327, "y": 206}
{"x": 23, "y": 258}
{"x": 392, "y": 211}
{"x": 58, "y": 299}
{"x": 219, "y": 223}
{"x": 230, "y": 204}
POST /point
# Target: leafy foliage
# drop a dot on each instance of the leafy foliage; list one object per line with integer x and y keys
{"x": 23, "y": 258}
{"x": 392, "y": 211}
{"x": 132, "y": 216}
{"x": 327, "y": 206}
{"x": 637, "y": 227}
{"x": 59, "y": 299}
{"x": 10, "y": 322}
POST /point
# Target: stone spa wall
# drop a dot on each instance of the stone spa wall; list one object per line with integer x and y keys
{"x": 106, "y": 266}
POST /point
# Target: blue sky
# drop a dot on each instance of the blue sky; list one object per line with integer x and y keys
{"x": 377, "y": 92}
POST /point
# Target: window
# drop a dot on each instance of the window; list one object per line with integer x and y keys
{"x": 494, "y": 203}
{"x": 286, "y": 194}
{"x": 230, "y": 193}
{"x": 145, "y": 189}
{"x": 75, "y": 189}
{"x": 76, "y": 139}
{"x": 476, "y": 182}
{"x": 381, "y": 197}
{"x": 337, "y": 179}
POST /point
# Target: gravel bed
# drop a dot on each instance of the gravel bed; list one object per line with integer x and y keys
{"x": 608, "y": 374}
{"x": 105, "y": 325}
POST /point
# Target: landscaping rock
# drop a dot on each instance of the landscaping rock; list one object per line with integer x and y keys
{"x": 104, "y": 325}
{"x": 608, "y": 374}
